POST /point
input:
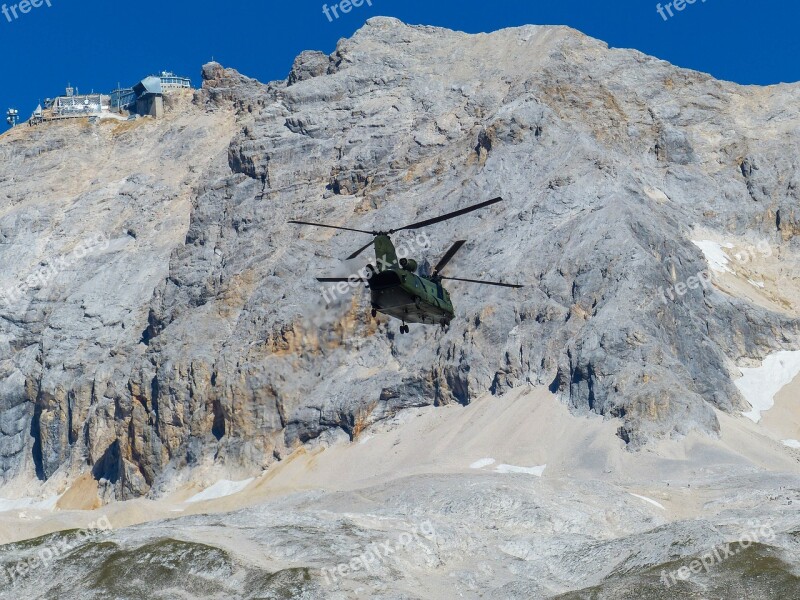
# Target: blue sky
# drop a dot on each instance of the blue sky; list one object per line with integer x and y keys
{"x": 94, "y": 45}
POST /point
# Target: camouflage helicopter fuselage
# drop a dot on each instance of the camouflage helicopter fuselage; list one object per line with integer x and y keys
{"x": 399, "y": 292}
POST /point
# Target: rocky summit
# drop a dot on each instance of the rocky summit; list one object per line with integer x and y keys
{"x": 160, "y": 319}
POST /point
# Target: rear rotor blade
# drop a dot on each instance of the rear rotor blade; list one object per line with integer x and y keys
{"x": 359, "y": 251}
{"x": 448, "y": 256}
{"x": 448, "y": 216}
{"x": 497, "y": 283}
{"x": 332, "y": 227}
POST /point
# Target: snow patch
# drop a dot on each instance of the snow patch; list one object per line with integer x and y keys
{"x": 537, "y": 471}
{"x": 646, "y": 499}
{"x": 9, "y": 505}
{"x": 221, "y": 489}
{"x": 760, "y": 385}
{"x": 716, "y": 257}
{"x": 792, "y": 443}
{"x": 48, "y": 504}
{"x": 655, "y": 194}
{"x": 484, "y": 462}
{"x": 757, "y": 284}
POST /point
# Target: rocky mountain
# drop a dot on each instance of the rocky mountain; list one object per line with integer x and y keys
{"x": 160, "y": 320}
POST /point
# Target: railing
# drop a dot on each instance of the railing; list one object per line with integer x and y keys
{"x": 175, "y": 82}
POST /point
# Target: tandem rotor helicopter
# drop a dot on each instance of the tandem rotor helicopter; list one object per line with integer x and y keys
{"x": 399, "y": 288}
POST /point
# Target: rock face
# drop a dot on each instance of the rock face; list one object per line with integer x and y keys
{"x": 189, "y": 333}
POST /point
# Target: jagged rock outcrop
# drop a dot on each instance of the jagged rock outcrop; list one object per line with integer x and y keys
{"x": 195, "y": 335}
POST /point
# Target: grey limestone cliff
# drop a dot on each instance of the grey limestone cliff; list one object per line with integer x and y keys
{"x": 195, "y": 334}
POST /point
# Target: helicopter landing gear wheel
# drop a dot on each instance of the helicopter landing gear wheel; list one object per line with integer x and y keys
{"x": 374, "y": 313}
{"x": 444, "y": 324}
{"x": 404, "y": 328}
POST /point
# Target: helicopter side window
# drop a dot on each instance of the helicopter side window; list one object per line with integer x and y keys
{"x": 440, "y": 291}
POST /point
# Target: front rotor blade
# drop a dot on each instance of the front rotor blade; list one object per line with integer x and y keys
{"x": 451, "y": 215}
{"x": 448, "y": 256}
{"x": 332, "y": 227}
{"x": 359, "y": 251}
{"x": 497, "y": 283}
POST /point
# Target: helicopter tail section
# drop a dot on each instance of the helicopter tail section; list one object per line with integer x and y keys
{"x": 385, "y": 254}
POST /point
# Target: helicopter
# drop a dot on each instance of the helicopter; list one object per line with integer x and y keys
{"x": 400, "y": 288}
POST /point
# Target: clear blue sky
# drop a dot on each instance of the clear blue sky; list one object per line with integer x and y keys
{"x": 95, "y": 44}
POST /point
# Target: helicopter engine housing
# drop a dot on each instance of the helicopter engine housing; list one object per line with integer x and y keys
{"x": 409, "y": 264}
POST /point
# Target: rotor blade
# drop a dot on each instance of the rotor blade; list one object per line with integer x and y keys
{"x": 359, "y": 251}
{"x": 451, "y": 215}
{"x": 332, "y": 227}
{"x": 448, "y": 256}
{"x": 338, "y": 279}
{"x": 508, "y": 285}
